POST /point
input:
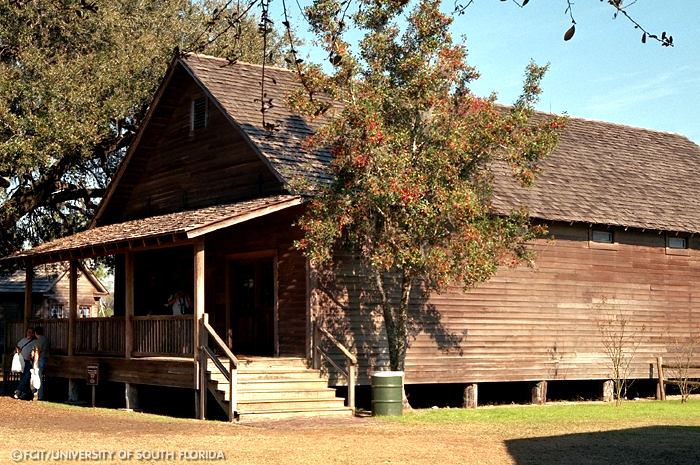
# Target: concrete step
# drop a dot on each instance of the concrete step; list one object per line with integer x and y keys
{"x": 317, "y": 391}
{"x": 278, "y": 395}
{"x": 276, "y": 388}
{"x": 288, "y": 393}
{"x": 282, "y": 384}
{"x": 266, "y": 362}
{"x": 273, "y": 414}
{"x": 275, "y": 362}
{"x": 247, "y": 377}
{"x": 275, "y": 403}
{"x": 267, "y": 373}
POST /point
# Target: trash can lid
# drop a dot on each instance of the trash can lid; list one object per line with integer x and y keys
{"x": 387, "y": 373}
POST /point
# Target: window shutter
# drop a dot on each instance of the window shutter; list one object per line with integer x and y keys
{"x": 199, "y": 113}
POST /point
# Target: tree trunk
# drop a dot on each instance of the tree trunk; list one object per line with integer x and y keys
{"x": 396, "y": 325}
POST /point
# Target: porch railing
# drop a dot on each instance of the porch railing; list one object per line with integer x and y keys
{"x": 350, "y": 374}
{"x": 55, "y": 330}
{"x": 163, "y": 336}
{"x": 153, "y": 335}
{"x": 14, "y": 331}
{"x": 103, "y": 336}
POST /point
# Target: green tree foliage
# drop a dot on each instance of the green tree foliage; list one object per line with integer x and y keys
{"x": 413, "y": 155}
{"x": 76, "y": 78}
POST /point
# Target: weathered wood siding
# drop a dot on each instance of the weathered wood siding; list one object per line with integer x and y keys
{"x": 273, "y": 233}
{"x": 12, "y": 304}
{"x": 172, "y": 372}
{"x": 176, "y": 168}
{"x": 60, "y": 295}
{"x": 539, "y": 323}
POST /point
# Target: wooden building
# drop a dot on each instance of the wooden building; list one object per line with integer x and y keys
{"x": 50, "y": 289}
{"x": 200, "y": 206}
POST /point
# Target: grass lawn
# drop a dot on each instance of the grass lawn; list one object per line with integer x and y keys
{"x": 558, "y": 414}
{"x": 641, "y": 432}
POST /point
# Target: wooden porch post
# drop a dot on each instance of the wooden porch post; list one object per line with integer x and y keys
{"x": 28, "y": 280}
{"x": 198, "y": 290}
{"x": 72, "y": 306}
{"x": 72, "y": 316}
{"x": 128, "y": 305}
{"x": 130, "y": 390}
{"x": 309, "y": 313}
{"x": 200, "y": 387}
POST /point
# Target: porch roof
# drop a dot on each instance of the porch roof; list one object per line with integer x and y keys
{"x": 153, "y": 231}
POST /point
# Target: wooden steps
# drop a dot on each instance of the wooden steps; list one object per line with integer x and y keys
{"x": 277, "y": 388}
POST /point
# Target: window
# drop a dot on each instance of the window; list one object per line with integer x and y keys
{"x": 56, "y": 311}
{"x": 605, "y": 237}
{"x": 675, "y": 242}
{"x": 199, "y": 114}
{"x": 84, "y": 311}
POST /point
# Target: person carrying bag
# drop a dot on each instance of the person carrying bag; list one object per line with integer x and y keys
{"x": 24, "y": 349}
{"x": 17, "y": 364}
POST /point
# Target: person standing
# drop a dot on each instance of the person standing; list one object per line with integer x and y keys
{"x": 180, "y": 303}
{"x": 42, "y": 346}
{"x": 24, "y": 347}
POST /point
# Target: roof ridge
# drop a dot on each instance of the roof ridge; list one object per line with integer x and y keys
{"x": 237, "y": 62}
{"x": 544, "y": 113}
{"x": 615, "y": 124}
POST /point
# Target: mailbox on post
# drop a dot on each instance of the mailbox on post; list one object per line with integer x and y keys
{"x": 93, "y": 378}
{"x": 93, "y": 375}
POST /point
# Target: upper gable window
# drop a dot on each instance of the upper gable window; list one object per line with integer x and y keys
{"x": 675, "y": 242}
{"x": 605, "y": 237}
{"x": 198, "y": 118}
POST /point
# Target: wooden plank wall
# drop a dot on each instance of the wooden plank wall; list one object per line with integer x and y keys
{"x": 176, "y": 169}
{"x": 540, "y": 323}
{"x": 273, "y": 232}
{"x": 60, "y": 295}
{"x": 170, "y": 372}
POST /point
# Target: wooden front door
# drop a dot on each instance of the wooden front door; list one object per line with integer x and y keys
{"x": 252, "y": 304}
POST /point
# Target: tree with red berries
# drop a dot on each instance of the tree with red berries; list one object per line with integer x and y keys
{"x": 413, "y": 151}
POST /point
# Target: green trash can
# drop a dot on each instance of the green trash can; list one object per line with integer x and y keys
{"x": 387, "y": 393}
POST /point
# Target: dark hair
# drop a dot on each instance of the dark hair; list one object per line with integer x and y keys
{"x": 39, "y": 331}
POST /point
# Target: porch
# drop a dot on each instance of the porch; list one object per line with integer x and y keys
{"x": 253, "y": 286}
{"x": 162, "y": 353}
{"x": 250, "y": 387}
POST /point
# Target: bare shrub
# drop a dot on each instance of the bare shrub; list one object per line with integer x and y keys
{"x": 620, "y": 338}
{"x": 681, "y": 356}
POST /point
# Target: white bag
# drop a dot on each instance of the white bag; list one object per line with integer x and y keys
{"x": 35, "y": 379}
{"x": 17, "y": 364}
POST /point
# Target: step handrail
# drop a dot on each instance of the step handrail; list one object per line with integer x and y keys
{"x": 350, "y": 374}
{"x": 231, "y": 374}
{"x": 219, "y": 342}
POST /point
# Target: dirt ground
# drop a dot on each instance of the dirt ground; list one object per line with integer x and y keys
{"x": 29, "y": 429}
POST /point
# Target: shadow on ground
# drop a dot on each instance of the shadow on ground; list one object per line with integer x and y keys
{"x": 654, "y": 445}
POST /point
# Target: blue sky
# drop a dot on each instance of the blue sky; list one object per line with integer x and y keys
{"x": 603, "y": 73}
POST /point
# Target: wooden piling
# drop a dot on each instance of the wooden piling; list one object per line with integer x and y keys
{"x": 539, "y": 393}
{"x": 471, "y": 396}
{"x": 608, "y": 390}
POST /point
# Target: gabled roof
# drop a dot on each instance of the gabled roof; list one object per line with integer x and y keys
{"x": 45, "y": 278}
{"x": 610, "y": 174}
{"x": 600, "y": 173}
{"x": 236, "y": 89}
